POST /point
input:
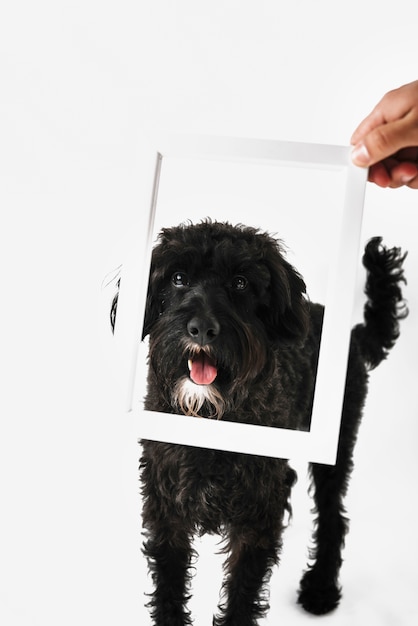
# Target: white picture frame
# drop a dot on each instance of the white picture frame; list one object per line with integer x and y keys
{"x": 320, "y": 443}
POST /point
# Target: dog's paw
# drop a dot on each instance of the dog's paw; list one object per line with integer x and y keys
{"x": 318, "y": 596}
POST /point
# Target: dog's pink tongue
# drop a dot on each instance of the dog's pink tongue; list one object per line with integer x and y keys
{"x": 202, "y": 369}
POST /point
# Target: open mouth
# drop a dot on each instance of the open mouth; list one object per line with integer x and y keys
{"x": 202, "y": 367}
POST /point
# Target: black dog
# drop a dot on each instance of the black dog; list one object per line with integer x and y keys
{"x": 232, "y": 336}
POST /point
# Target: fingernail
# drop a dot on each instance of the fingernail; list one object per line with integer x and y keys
{"x": 407, "y": 179}
{"x": 360, "y": 155}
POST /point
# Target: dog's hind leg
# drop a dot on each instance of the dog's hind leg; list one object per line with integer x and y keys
{"x": 371, "y": 342}
{"x": 319, "y": 591}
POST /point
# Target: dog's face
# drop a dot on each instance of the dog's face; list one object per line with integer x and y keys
{"x": 219, "y": 298}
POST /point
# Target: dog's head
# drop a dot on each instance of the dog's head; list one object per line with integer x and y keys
{"x": 220, "y": 297}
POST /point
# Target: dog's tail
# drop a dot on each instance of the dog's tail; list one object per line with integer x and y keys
{"x": 385, "y": 306}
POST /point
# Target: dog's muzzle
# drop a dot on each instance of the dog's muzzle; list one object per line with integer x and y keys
{"x": 203, "y": 330}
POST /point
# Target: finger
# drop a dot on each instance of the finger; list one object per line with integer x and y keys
{"x": 379, "y": 175}
{"x": 372, "y": 121}
{"x": 392, "y": 174}
{"x": 394, "y": 105}
{"x": 384, "y": 141}
{"x": 404, "y": 174}
{"x": 413, "y": 184}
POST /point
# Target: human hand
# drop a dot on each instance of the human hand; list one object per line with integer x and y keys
{"x": 386, "y": 141}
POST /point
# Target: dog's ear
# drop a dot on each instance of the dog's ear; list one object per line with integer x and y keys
{"x": 286, "y": 317}
{"x": 153, "y": 307}
{"x": 164, "y": 256}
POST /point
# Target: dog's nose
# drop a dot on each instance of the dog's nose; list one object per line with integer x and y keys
{"x": 203, "y": 330}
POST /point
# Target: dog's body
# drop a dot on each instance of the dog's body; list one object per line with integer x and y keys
{"x": 233, "y": 337}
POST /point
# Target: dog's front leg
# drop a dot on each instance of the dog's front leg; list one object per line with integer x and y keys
{"x": 248, "y": 570}
{"x": 169, "y": 563}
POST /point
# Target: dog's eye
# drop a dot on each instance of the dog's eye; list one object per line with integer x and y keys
{"x": 180, "y": 279}
{"x": 239, "y": 283}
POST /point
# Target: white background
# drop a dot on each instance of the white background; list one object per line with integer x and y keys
{"x": 79, "y": 82}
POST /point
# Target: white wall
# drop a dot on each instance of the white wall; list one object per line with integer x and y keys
{"x": 79, "y": 82}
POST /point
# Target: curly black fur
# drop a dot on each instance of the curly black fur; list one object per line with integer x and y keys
{"x": 225, "y": 300}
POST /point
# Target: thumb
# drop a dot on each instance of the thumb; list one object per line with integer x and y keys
{"x": 382, "y": 142}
